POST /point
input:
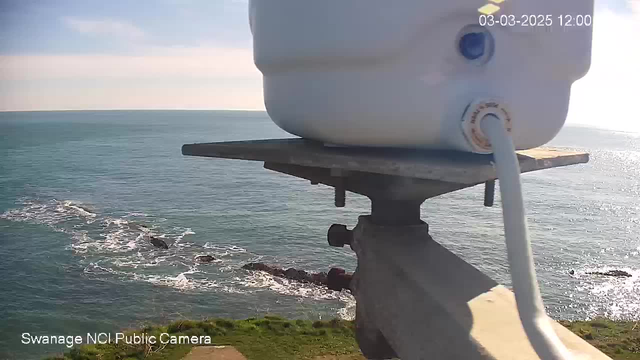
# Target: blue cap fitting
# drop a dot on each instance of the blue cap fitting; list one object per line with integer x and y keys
{"x": 473, "y": 45}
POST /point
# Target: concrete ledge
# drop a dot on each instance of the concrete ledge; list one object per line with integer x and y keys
{"x": 428, "y": 303}
{"x": 496, "y": 325}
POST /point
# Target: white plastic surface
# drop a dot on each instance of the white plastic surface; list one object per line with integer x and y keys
{"x": 381, "y": 73}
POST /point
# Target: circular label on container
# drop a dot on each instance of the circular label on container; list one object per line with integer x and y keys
{"x": 474, "y": 115}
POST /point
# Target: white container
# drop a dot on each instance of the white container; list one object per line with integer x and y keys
{"x": 391, "y": 73}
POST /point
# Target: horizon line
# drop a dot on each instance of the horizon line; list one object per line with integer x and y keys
{"x": 140, "y": 109}
{"x": 566, "y": 124}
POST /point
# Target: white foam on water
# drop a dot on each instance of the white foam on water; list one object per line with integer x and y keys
{"x": 186, "y": 232}
{"x": 95, "y": 268}
{"x": 263, "y": 280}
{"x": 178, "y": 240}
{"x": 115, "y": 221}
{"x": 182, "y": 281}
{"x": 224, "y": 249}
{"x": 51, "y": 213}
{"x": 118, "y": 248}
{"x": 78, "y": 208}
{"x": 35, "y": 212}
{"x": 231, "y": 290}
{"x": 136, "y": 214}
{"x": 348, "y": 312}
{"x": 614, "y": 297}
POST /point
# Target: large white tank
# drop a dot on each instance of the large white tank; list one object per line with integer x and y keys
{"x": 408, "y": 74}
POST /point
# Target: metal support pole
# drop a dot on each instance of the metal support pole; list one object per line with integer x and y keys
{"x": 489, "y": 192}
{"x": 395, "y": 212}
{"x": 340, "y": 193}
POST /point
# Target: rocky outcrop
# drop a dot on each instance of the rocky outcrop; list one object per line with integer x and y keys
{"x": 205, "y": 258}
{"x": 273, "y": 270}
{"x": 337, "y": 279}
{"x": 614, "y": 273}
{"x": 157, "y": 242}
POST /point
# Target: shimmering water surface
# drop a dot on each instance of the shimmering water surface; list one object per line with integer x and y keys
{"x": 79, "y": 190}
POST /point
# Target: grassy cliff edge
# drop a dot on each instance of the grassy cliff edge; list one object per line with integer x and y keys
{"x": 273, "y": 337}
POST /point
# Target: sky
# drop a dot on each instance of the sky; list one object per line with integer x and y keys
{"x": 196, "y": 54}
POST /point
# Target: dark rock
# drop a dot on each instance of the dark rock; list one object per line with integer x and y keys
{"x": 275, "y": 271}
{"x": 291, "y": 273}
{"x": 319, "y": 278}
{"x": 205, "y": 258}
{"x": 338, "y": 279}
{"x": 614, "y": 273}
{"x": 253, "y": 266}
{"x": 297, "y": 275}
{"x": 571, "y": 272}
{"x": 157, "y": 242}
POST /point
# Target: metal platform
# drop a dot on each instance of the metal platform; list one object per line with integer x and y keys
{"x": 397, "y": 181}
{"x": 446, "y": 166}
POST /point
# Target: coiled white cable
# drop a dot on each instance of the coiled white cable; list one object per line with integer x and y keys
{"x": 523, "y": 276}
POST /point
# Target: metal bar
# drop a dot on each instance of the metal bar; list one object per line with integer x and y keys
{"x": 489, "y": 192}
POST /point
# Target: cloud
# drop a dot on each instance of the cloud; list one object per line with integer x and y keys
{"x": 157, "y": 63}
{"x": 163, "y": 78}
{"x": 133, "y": 96}
{"x": 104, "y": 27}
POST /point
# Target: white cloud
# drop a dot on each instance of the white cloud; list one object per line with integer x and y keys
{"x": 163, "y": 78}
{"x": 133, "y": 96}
{"x": 157, "y": 63}
{"x": 104, "y": 27}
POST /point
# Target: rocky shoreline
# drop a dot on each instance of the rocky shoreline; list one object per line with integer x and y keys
{"x": 336, "y": 279}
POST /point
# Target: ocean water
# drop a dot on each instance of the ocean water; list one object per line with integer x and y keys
{"x": 78, "y": 191}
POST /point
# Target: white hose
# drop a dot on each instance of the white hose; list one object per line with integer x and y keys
{"x": 523, "y": 276}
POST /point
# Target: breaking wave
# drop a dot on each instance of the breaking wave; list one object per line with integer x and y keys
{"x": 117, "y": 248}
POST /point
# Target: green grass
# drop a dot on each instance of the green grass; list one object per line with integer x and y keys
{"x": 617, "y": 339}
{"x": 273, "y": 337}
